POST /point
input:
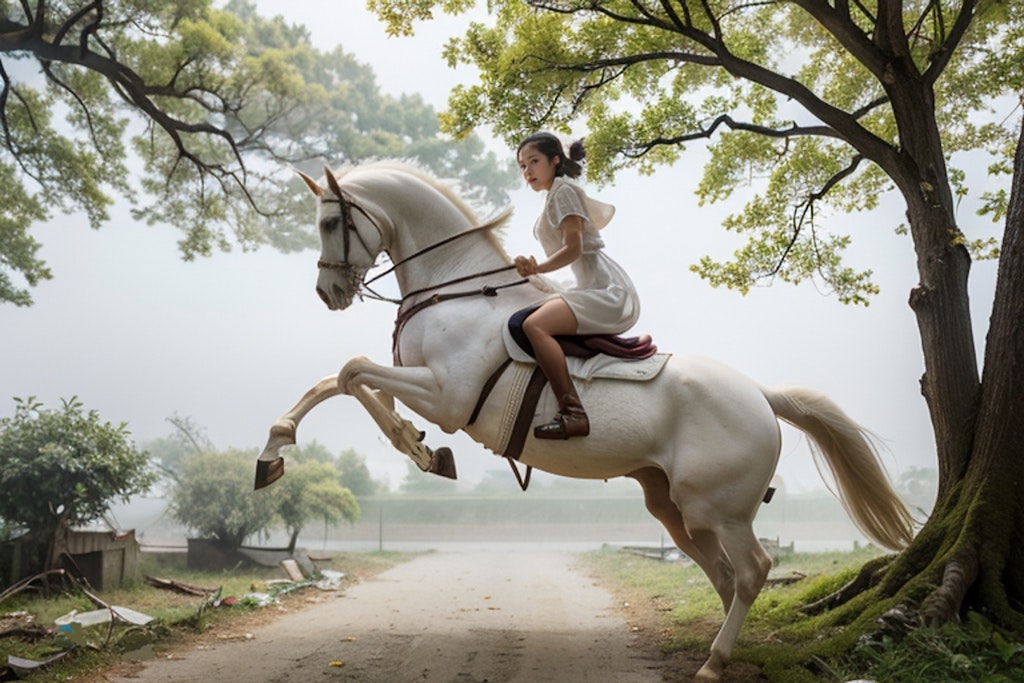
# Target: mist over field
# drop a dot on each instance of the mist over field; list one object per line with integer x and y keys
{"x": 603, "y": 514}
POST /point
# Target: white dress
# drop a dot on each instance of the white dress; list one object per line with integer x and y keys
{"x": 603, "y": 297}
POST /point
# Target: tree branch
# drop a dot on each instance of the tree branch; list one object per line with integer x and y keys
{"x": 807, "y": 207}
{"x": 4, "y": 92}
{"x": 794, "y": 130}
{"x": 842, "y": 27}
{"x": 941, "y": 57}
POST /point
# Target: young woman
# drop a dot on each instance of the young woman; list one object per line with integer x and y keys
{"x": 603, "y": 300}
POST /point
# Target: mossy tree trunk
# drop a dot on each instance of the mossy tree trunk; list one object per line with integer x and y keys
{"x": 976, "y": 532}
{"x": 970, "y": 553}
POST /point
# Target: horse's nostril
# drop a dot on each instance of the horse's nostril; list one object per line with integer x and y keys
{"x": 323, "y": 296}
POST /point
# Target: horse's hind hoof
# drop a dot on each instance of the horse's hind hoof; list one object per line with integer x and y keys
{"x": 267, "y": 472}
{"x": 442, "y": 463}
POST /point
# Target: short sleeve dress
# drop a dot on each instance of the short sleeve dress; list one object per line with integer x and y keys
{"x": 603, "y": 297}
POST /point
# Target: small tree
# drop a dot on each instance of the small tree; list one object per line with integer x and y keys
{"x": 213, "y": 498}
{"x": 311, "y": 491}
{"x": 60, "y": 468}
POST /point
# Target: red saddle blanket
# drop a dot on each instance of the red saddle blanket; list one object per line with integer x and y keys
{"x": 588, "y": 345}
{"x": 585, "y": 345}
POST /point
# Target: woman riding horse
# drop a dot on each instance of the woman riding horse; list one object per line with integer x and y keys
{"x": 603, "y": 300}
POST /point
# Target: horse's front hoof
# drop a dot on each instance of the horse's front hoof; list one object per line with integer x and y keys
{"x": 442, "y": 463}
{"x": 267, "y": 472}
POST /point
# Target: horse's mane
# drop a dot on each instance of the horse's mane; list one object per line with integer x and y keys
{"x": 447, "y": 188}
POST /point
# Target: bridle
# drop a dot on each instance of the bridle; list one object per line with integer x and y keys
{"x": 357, "y": 276}
{"x": 359, "y": 283}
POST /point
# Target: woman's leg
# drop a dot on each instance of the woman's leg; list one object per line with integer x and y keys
{"x": 555, "y": 317}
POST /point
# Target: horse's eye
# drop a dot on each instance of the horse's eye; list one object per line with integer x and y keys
{"x": 330, "y": 224}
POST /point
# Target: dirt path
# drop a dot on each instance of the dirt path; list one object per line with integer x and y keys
{"x": 475, "y": 615}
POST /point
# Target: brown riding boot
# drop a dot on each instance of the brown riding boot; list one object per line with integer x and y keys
{"x": 571, "y": 420}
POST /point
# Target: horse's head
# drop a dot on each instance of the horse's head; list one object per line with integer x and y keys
{"x": 351, "y": 239}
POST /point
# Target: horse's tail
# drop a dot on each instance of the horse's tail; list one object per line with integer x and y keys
{"x": 850, "y": 456}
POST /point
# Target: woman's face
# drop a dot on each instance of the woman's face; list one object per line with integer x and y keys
{"x": 538, "y": 171}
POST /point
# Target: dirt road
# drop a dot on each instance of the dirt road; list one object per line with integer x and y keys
{"x": 472, "y": 615}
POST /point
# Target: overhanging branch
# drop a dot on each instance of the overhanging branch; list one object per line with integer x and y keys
{"x": 805, "y": 209}
{"x": 837, "y": 122}
{"x": 637, "y": 151}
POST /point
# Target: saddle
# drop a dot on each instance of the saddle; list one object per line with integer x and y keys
{"x": 585, "y": 345}
{"x": 529, "y": 380}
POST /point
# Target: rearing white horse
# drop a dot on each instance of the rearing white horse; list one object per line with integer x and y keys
{"x": 702, "y": 440}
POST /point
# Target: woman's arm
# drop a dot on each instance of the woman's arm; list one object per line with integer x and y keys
{"x": 572, "y": 247}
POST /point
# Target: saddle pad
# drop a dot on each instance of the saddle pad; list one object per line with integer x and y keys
{"x": 598, "y": 367}
{"x": 607, "y": 367}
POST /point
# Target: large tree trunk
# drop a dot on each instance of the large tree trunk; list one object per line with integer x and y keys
{"x": 971, "y": 550}
{"x": 982, "y": 546}
{"x": 950, "y": 385}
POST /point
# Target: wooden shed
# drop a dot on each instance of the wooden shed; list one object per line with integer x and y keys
{"x": 105, "y": 556}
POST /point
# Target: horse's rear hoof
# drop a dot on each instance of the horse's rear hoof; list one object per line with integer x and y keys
{"x": 442, "y": 463}
{"x": 268, "y": 471}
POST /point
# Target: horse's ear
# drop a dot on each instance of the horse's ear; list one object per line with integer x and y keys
{"x": 313, "y": 185}
{"x": 332, "y": 182}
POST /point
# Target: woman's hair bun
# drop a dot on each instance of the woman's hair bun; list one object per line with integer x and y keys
{"x": 577, "y": 152}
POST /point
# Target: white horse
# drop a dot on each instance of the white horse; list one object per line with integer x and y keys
{"x": 702, "y": 440}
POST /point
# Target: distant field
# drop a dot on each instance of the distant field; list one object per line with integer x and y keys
{"x": 815, "y": 524}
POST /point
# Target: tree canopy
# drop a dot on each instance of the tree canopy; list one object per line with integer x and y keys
{"x": 311, "y": 492}
{"x": 212, "y": 495}
{"x": 807, "y": 101}
{"x": 195, "y": 115}
{"x": 213, "y": 498}
{"x": 65, "y": 467}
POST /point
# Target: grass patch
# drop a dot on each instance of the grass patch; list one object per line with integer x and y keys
{"x": 967, "y": 653}
{"x": 674, "y": 605}
{"x": 179, "y": 618}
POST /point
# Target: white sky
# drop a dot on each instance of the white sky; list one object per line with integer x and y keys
{"x": 234, "y": 340}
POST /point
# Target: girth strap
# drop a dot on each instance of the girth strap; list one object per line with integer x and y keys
{"x": 521, "y": 425}
{"x": 486, "y": 391}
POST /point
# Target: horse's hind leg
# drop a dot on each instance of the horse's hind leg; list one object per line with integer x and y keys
{"x": 711, "y": 559}
{"x": 751, "y": 564}
{"x": 403, "y": 434}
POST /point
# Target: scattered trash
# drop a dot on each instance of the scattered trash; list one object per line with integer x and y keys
{"x": 180, "y": 587}
{"x": 291, "y": 568}
{"x": 78, "y": 629}
{"x": 257, "y": 599}
{"x": 104, "y": 616}
{"x": 330, "y": 580}
{"x": 22, "y": 625}
{"x": 27, "y": 666}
